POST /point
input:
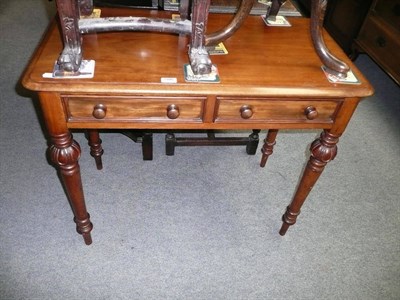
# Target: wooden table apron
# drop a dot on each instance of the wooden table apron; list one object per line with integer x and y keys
{"x": 271, "y": 73}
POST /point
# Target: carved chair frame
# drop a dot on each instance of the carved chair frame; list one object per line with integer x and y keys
{"x": 73, "y": 27}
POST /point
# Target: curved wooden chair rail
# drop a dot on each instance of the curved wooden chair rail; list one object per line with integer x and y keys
{"x": 72, "y": 27}
{"x": 333, "y": 65}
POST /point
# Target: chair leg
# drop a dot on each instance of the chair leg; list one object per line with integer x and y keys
{"x": 146, "y": 138}
{"x": 147, "y": 146}
{"x": 184, "y": 9}
{"x": 252, "y": 144}
{"x": 71, "y": 56}
{"x": 199, "y": 58}
{"x": 170, "y": 142}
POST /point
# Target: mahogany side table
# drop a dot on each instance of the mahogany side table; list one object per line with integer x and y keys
{"x": 271, "y": 79}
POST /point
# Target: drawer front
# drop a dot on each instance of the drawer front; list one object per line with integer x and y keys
{"x": 267, "y": 110}
{"x": 382, "y": 44}
{"x": 153, "y": 109}
{"x": 389, "y": 11}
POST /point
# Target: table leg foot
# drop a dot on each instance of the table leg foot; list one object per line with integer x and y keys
{"x": 87, "y": 238}
{"x": 284, "y": 228}
{"x": 84, "y": 227}
{"x": 289, "y": 219}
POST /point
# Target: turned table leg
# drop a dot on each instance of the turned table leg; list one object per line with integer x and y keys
{"x": 64, "y": 153}
{"x": 323, "y": 150}
{"x": 268, "y": 146}
{"x": 96, "y": 150}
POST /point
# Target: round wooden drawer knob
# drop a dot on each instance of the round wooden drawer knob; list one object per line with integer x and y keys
{"x": 172, "y": 111}
{"x": 99, "y": 111}
{"x": 246, "y": 112}
{"x": 380, "y": 41}
{"x": 311, "y": 112}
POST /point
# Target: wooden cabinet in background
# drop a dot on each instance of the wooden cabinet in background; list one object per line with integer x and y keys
{"x": 380, "y": 36}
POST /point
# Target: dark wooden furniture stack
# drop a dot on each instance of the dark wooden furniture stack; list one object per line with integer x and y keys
{"x": 271, "y": 79}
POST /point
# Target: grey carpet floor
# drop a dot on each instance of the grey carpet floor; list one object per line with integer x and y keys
{"x": 202, "y": 224}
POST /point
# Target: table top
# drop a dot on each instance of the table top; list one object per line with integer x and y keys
{"x": 262, "y": 61}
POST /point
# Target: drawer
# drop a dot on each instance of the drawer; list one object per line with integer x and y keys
{"x": 154, "y": 109}
{"x": 267, "y": 110}
{"x": 389, "y": 11}
{"x": 382, "y": 43}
